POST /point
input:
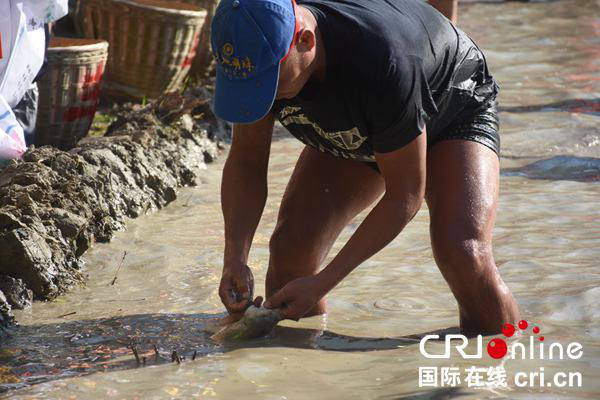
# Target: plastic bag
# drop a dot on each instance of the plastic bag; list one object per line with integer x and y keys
{"x": 40, "y": 12}
{"x": 26, "y": 55}
{"x": 12, "y": 138}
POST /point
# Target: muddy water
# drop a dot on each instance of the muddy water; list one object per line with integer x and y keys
{"x": 547, "y": 244}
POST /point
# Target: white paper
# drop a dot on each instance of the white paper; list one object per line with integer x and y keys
{"x": 40, "y": 12}
{"x": 25, "y": 59}
{"x": 26, "y": 53}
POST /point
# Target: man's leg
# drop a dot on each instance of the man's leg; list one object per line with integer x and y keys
{"x": 462, "y": 194}
{"x": 323, "y": 195}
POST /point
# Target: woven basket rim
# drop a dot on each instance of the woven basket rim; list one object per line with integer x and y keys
{"x": 187, "y": 13}
{"x": 91, "y": 45}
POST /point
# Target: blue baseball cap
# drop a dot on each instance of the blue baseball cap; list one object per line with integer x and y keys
{"x": 249, "y": 40}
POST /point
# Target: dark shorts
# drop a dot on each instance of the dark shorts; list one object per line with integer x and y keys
{"x": 480, "y": 126}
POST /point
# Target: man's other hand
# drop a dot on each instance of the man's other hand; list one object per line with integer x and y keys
{"x": 296, "y": 298}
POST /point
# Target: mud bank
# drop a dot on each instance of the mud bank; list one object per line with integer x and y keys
{"x": 55, "y": 204}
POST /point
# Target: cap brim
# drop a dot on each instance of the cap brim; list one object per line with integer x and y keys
{"x": 245, "y": 100}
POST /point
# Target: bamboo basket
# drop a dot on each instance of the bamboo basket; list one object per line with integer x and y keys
{"x": 152, "y": 43}
{"x": 69, "y": 91}
{"x": 203, "y": 59}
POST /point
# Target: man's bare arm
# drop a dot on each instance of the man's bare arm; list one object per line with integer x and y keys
{"x": 404, "y": 171}
{"x": 243, "y": 197}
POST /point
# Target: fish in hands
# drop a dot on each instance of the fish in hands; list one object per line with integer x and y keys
{"x": 256, "y": 322}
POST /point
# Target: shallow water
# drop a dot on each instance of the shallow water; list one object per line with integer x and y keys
{"x": 546, "y": 56}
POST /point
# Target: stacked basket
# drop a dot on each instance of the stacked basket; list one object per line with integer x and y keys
{"x": 152, "y": 42}
{"x": 69, "y": 91}
{"x": 203, "y": 59}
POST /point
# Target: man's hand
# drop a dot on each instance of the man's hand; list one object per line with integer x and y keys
{"x": 236, "y": 288}
{"x": 296, "y": 298}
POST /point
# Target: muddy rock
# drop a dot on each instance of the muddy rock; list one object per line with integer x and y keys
{"x": 16, "y": 293}
{"x": 6, "y": 317}
{"x": 54, "y": 204}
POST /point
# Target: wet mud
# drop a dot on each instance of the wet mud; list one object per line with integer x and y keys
{"x": 85, "y": 347}
{"x": 54, "y": 204}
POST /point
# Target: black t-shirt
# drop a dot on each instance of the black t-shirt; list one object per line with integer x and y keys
{"x": 391, "y": 65}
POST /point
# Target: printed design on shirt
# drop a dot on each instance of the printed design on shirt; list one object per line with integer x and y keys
{"x": 288, "y": 110}
{"x": 350, "y": 139}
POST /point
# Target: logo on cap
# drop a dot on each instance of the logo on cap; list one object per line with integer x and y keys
{"x": 227, "y": 49}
